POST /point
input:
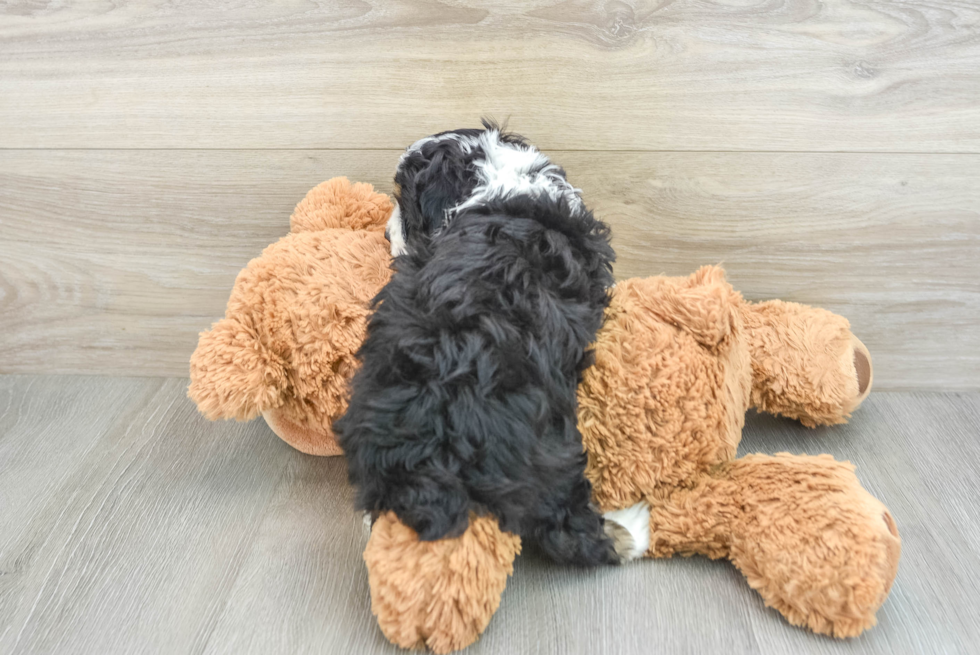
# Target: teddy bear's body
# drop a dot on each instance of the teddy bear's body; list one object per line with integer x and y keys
{"x": 678, "y": 363}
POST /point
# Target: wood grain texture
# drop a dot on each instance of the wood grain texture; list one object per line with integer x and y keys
{"x": 892, "y": 242}
{"x": 895, "y": 75}
{"x": 159, "y": 532}
{"x": 113, "y": 261}
{"x": 137, "y": 546}
{"x": 48, "y": 427}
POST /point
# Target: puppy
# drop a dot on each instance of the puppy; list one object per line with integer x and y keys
{"x": 466, "y": 397}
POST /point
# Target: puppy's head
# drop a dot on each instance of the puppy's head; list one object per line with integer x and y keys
{"x": 435, "y": 175}
{"x": 432, "y": 177}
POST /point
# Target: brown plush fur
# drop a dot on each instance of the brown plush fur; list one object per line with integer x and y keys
{"x": 666, "y": 397}
{"x": 786, "y": 339}
{"x": 439, "y": 594}
{"x": 680, "y": 360}
{"x": 296, "y": 317}
{"x": 807, "y": 536}
{"x": 678, "y": 363}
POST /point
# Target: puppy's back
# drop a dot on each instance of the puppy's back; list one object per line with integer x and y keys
{"x": 466, "y": 397}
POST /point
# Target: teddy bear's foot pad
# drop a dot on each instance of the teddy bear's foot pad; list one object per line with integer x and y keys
{"x": 864, "y": 371}
{"x": 302, "y": 438}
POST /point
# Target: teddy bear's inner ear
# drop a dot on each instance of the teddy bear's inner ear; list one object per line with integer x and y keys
{"x": 337, "y": 203}
{"x": 233, "y": 375}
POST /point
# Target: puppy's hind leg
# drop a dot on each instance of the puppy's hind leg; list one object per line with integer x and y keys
{"x": 435, "y": 506}
{"x": 629, "y": 529}
{"x": 575, "y": 533}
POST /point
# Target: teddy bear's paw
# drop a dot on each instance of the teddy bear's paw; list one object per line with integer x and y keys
{"x": 843, "y": 604}
{"x": 437, "y": 594}
{"x": 629, "y": 529}
{"x": 234, "y": 374}
{"x": 806, "y": 363}
{"x": 815, "y": 544}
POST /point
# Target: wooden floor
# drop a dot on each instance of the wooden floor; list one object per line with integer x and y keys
{"x": 131, "y": 525}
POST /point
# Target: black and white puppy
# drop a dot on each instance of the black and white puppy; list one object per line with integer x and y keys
{"x": 466, "y": 398}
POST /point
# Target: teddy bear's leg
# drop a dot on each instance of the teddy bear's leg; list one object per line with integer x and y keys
{"x": 437, "y": 594}
{"x": 811, "y": 540}
{"x": 806, "y": 364}
{"x": 234, "y": 375}
{"x": 819, "y": 548}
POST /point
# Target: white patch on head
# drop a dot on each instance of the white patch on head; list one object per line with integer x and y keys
{"x": 396, "y": 233}
{"x": 510, "y": 168}
{"x": 636, "y": 519}
{"x": 505, "y": 169}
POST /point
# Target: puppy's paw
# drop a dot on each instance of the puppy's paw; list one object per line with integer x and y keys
{"x": 621, "y": 538}
{"x": 629, "y": 530}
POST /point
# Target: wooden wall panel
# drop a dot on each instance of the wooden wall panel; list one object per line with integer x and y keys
{"x": 895, "y": 75}
{"x": 112, "y": 261}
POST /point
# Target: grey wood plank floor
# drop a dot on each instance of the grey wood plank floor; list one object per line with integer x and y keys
{"x": 128, "y": 524}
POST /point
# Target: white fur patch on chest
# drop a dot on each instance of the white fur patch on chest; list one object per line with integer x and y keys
{"x": 395, "y": 232}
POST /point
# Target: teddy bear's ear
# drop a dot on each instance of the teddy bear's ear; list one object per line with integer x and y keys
{"x": 337, "y": 203}
{"x": 705, "y": 306}
{"x": 233, "y": 375}
{"x": 702, "y": 304}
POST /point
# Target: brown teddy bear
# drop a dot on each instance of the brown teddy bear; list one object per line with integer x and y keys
{"x": 295, "y": 319}
{"x": 678, "y": 363}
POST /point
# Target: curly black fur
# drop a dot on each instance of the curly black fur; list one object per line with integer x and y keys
{"x": 436, "y": 174}
{"x": 466, "y": 399}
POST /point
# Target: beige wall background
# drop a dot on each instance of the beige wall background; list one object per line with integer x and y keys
{"x": 824, "y": 152}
